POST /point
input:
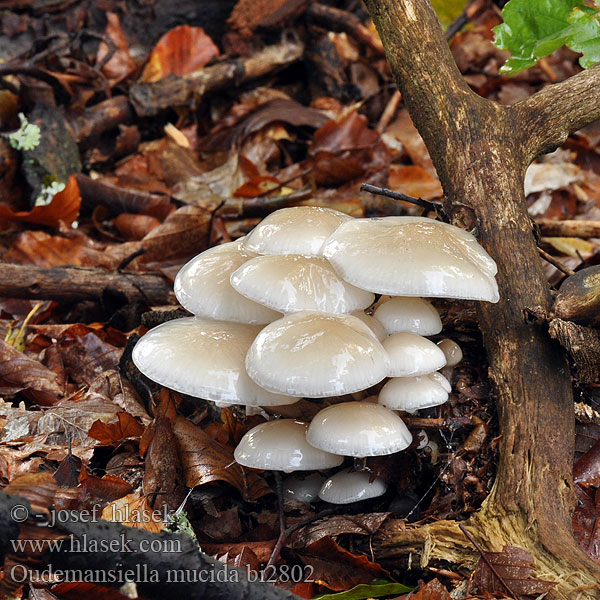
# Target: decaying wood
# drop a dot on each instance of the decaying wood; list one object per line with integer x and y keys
{"x": 101, "y": 117}
{"x": 569, "y": 228}
{"x": 582, "y": 344}
{"x": 77, "y": 283}
{"x": 481, "y": 150}
{"x": 578, "y": 298}
{"x": 172, "y": 92}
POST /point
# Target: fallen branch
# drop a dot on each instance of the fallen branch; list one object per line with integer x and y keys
{"x": 182, "y": 571}
{"x": 569, "y": 228}
{"x": 172, "y": 92}
{"x": 76, "y": 283}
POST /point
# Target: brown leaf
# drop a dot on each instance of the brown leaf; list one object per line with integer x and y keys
{"x": 120, "y": 64}
{"x": 404, "y": 130}
{"x": 18, "y": 372}
{"x": 103, "y": 489}
{"x": 434, "y": 590}
{"x": 44, "y": 250}
{"x": 205, "y": 460}
{"x": 362, "y": 524}
{"x": 64, "y": 207}
{"x": 180, "y": 51}
{"x": 586, "y": 522}
{"x": 338, "y": 569}
{"x": 515, "y": 566}
{"x": 133, "y": 510}
{"x": 349, "y": 133}
{"x": 226, "y": 526}
{"x": 135, "y": 227}
{"x": 108, "y": 434}
{"x": 67, "y": 474}
{"x": 163, "y": 478}
{"x": 414, "y": 181}
{"x": 586, "y": 470}
{"x": 261, "y": 550}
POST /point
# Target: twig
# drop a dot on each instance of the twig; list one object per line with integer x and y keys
{"x": 485, "y": 559}
{"x": 457, "y": 25}
{"x": 555, "y": 263}
{"x": 569, "y": 228}
{"x": 380, "y": 191}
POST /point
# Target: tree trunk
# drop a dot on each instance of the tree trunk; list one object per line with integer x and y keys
{"x": 481, "y": 151}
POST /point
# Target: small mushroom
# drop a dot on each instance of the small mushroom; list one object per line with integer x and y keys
{"x": 412, "y": 393}
{"x": 203, "y": 358}
{"x": 411, "y": 354}
{"x": 295, "y": 230}
{"x": 437, "y": 260}
{"x": 293, "y": 283}
{"x": 413, "y": 315}
{"x": 451, "y": 351}
{"x": 315, "y": 355}
{"x": 351, "y": 486}
{"x": 202, "y": 287}
{"x": 281, "y": 445}
{"x": 303, "y": 489}
{"x": 358, "y": 429}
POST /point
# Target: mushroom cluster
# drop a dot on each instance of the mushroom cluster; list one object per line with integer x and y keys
{"x": 281, "y": 315}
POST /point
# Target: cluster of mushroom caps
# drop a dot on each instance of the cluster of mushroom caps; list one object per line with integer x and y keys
{"x": 280, "y": 315}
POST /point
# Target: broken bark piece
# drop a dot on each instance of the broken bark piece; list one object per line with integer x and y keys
{"x": 76, "y": 283}
{"x": 582, "y": 344}
{"x": 101, "y": 117}
{"x": 578, "y": 298}
{"x": 569, "y": 228}
{"x": 171, "y": 92}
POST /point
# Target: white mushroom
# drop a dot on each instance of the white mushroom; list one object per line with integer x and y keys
{"x": 293, "y": 283}
{"x": 412, "y": 256}
{"x": 451, "y": 351}
{"x": 281, "y": 445}
{"x": 411, "y": 354}
{"x": 351, "y": 486}
{"x": 202, "y": 287}
{"x": 413, "y": 315}
{"x": 412, "y": 393}
{"x": 315, "y": 355}
{"x": 203, "y": 358}
{"x": 303, "y": 489}
{"x": 372, "y": 323}
{"x": 358, "y": 429}
{"x": 295, "y": 230}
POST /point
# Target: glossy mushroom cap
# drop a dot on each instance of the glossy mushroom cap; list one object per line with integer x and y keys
{"x": 315, "y": 355}
{"x": 411, "y": 354}
{"x": 202, "y": 287}
{"x": 358, "y": 429}
{"x": 451, "y": 351}
{"x": 351, "y": 486}
{"x": 295, "y": 230}
{"x": 441, "y": 380}
{"x": 413, "y": 315}
{"x": 412, "y": 393}
{"x": 281, "y": 446}
{"x": 293, "y": 283}
{"x": 412, "y": 256}
{"x": 203, "y": 358}
{"x": 372, "y": 323}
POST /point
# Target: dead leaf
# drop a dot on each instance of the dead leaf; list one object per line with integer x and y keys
{"x": 586, "y": 470}
{"x": 336, "y": 568}
{"x": 120, "y": 64}
{"x": 550, "y": 176}
{"x": 571, "y": 246}
{"x": 180, "y": 51}
{"x": 414, "y": 181}
{"x": 133, "y": 510}
{"x": 64, "y": 207}
{"x": 135, "y": 227}
{"x": 433, "y": 590}
{"x": 361, "y": 524}
{"x": 515, "y": 565}
{"x": 586, "y": 521}
{"x": 261, "y": 550}
{"x": 205, "y": 460}
{"x": 108, "y": 434}
{"x": 18, "y": 373}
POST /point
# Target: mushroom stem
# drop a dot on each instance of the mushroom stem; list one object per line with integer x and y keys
{"x": 360, "y": 463}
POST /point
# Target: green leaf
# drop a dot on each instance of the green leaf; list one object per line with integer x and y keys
{"x": 585, "y": 37}
{"x": 533, "y": 29}
{"x": 375, "y": 589}
{"x": 448, "y": 11}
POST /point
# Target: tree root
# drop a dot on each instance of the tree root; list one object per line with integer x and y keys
{"x": 443, "y": 542}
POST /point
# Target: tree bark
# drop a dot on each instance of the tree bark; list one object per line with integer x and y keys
{"x": 481, "y": 151}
